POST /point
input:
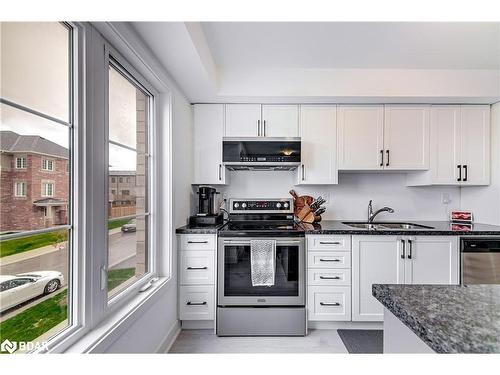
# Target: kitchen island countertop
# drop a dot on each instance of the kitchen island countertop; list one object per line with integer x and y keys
{"x": 448, "y": 318}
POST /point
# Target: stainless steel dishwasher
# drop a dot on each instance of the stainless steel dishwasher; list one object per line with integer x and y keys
{"x": 480, "y": 260}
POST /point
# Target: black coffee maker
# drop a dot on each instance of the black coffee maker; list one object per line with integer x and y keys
{"x": 207, "y": 212}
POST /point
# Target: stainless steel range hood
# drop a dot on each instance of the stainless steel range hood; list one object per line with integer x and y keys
{"x": 261, "y": 153}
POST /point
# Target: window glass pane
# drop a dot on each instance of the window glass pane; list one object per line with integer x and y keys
{"x": 35, "y": 66}
{"x": 126, "y": 198}
{"x": 127, "y": 112}
{"x": 127, "y": 252}
{"x": 127, "y": 183}
{"x": 35, "y": 138}
{"x": 34, "y": 73}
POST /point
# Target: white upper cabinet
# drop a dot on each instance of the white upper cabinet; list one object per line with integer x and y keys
{"x": 460, "y": 147}
{"x": 475, "y": 144}
{"x": 280, "y": 121}
{"x": 360, "y": 137}
{"x": 318, "y": 132}
{"x": 208, "y": 133}
{"x": 243, "y": 120}
{"x": 406, "y": 137}
{"x": 432, "y": 260}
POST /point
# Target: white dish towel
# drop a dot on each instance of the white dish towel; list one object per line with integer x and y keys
{"x": 262, "y": 262}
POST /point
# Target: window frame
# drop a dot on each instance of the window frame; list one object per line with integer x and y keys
{"x": 44, "y": 192}
{"x": 47, "y": 161}
{"x": 24, "y": 165}
{"x": 115, "y": 59}
{"x": 25, "y": 190}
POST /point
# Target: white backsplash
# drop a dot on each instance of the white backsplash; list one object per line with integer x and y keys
{"x": 349, "y": 199}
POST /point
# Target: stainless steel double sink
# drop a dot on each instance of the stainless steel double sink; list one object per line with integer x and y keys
{"x": 384, "y": 225}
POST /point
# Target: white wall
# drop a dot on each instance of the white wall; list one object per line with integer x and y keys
{"x": 349, "y": 199}
{"x": 485, "y": 201}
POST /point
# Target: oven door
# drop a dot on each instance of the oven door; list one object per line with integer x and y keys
{"x": 234, "y": 278}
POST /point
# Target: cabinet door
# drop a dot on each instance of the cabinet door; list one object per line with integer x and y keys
{"x": 445, "y": 144}
{"x": 280, "y": 120}
{"x": 243, "y": 120}
{"x": 360, "y": 137}
{"x": 375, "y": 260}
{"x": 208, "y": 132}
{"x": 318, "y": 131}
{"x": 406, "y": 137}
{"x": 476, "y": 144}
{"x": 432, "y": 260}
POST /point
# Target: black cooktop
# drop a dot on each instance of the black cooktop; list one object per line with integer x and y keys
{"x": 261, "y": 229}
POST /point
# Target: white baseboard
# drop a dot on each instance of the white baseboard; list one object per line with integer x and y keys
{"x": 345, "y": 325}
{"x": 198, "y": 324}
{"x": 170, "y": 338}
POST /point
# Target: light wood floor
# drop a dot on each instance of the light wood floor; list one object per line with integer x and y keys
{"x": 205, "y": 341}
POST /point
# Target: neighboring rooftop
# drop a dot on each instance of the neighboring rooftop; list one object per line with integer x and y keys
{"x": 122, "y": 173}
{"x": 13, "y": 142}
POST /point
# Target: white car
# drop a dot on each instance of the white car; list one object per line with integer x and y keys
{"x": 23, "y": 287}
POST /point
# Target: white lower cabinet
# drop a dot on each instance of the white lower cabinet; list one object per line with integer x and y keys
{"x": 329, "y": 278}
{"x": 398, "y": 260}
{"x": 197, "y": 302}
{"x": 331, "y": 303}
{"x": 197, "y": 259}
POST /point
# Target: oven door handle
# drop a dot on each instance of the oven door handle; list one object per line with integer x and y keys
{"x": 278, "y": 242}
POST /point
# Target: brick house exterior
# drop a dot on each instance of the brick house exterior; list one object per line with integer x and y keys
{"x": 34, "y": 188}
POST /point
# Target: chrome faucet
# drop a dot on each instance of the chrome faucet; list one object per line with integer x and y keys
{"x": 371, "y": 214}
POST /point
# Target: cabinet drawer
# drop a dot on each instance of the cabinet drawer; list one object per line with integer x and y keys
{"x": 328, "y": 259}
{"x": 197, "y": 242}
{"x": 329, "y": 277}
{"x": 197, "y": 267}
{"x": 336, "y": 243}
{"x": 332, "y": 303}
{"x": 197, "y": 302}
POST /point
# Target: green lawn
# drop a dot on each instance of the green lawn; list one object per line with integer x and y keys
{"x": 38, "y": 319}
{"x": 19, "y": 245}
{"x": 112, "y": 224}
{"x": 118, "y": 276}
{"x": 33, "y": 322}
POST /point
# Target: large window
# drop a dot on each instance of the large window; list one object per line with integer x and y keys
{"x": 36, "y": 232}
{"x": 128, "y": 155}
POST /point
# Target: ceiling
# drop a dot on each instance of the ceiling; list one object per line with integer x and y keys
{"x": 288, "y": 61}
{"x": 354, "y": 45}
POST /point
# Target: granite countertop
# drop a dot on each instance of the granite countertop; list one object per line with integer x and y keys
{"x": 440, "y": 228}
{"x": 206, "y": 229}
{"x": 448, "y": 318}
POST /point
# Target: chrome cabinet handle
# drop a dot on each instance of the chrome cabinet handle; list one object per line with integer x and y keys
{"x": 303, "y": 173}
{"x": 403, "y": 252}
{"x": 329, "y": 260}
{"x": 196, "y": 303}
{"x": 220, "y": 172}
{"x": 388, "y": 158}
{"x": 329, "y": 277}
{"x": 258, "y": 128}
{"x": 329, "y": 304}
{"x": 465, "y": 170}
{"x": 329, "y": 243}
{"x": 459, "y": 173}
{"x": 197, "y": 241}
{"x": 264, "y": 127}
{"x": 410, "y": 242}
{"x": 197, "y": 268}
{"x": 381, "y": 158}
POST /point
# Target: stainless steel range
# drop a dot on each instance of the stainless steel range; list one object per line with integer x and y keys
{"x": 247, "y": 310}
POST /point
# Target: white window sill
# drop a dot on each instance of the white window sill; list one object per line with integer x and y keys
{"x": 118, "y": 322}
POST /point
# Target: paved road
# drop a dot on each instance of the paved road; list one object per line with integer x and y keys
{"x": 121, "y": 251}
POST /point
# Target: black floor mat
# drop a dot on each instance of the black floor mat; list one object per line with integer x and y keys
{"x": 363, "y": 341}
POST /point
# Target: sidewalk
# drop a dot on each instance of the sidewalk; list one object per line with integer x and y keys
{"x": 28, "y": 254}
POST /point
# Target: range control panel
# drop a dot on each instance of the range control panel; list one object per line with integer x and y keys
{"x": 261, "y": 205}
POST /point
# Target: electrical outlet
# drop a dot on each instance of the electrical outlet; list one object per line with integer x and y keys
{"x": 445, "y": 198}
